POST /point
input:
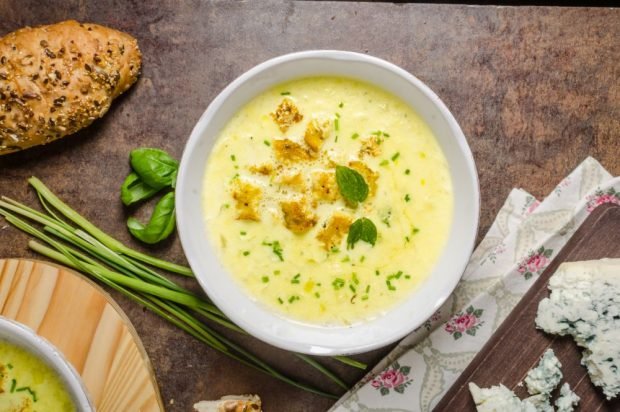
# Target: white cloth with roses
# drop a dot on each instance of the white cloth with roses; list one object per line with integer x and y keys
{"x": 524, "y": 238}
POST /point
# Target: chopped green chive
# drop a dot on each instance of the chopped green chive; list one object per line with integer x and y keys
{"x": 295, "y": 279}
{"x": 352, "y": 288}
{"x": 338, "y": 283}
{"x": 341, "y": 105}
{"x": 386, "y": 134}
{"x": 233, "y": 158}
{"x": 407, "y": 240}
{"x": 354, "y": 278}
{"x": 267, "y": 142}
{"x": 293, "y": 298}
{"x": 407, "y": 171}
{"x": 276, "y": 248}
{"x": 407, "y": 277}
{"x": 225, "y": 205}
{"x": 367, "y": 288}
{"x": 334, "y": 249}
{"x": 13, "y": 385}
{"x": 407, "y": 197}
{"x": 285, "y": 93}
{"x": 355, "y": 136}
{"x": 246, "y": 253}
{"x": 243, "y": 233}
{"x": 384, "y": 163}
{"x": 265, "y": 279}
{"x": 336, "y": 123}
{"x": 8, "y": 365}
{"x": 317, "y": 295}
{"x": 280, "y": 301}
{"x": 276, "y": 272}
{"x": 377, "y": 273}
{"x": 395, "y": 156}
{"x": 362, "y": 259}
{"x": 415, "y": 230}
{"x": 365, "y": 297}
{"x": 389, "y": 285}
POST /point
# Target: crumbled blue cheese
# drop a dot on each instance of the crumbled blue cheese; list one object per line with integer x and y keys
{"x": 497, "y": 399}
{"x": 567, "y": 399}
{"x": 545, "y": 376}
{"x": 585, "y": 303}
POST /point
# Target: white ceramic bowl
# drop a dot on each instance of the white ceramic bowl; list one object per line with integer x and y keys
{"x": 23, "y": 336}
{"x": 253, "y": 316}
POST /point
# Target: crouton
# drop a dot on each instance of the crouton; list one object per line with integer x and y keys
{"x": 288, "y": 151}
{"x": 368, "y": 174}
{"x": 264, "y": 169}
{"x": 286, "y": 115}
{"x": 247, "y": 197}
{"x": 316, "y": 132}
{"x": 293, "y": 180}
{"x": 297, "y": 217}
{"x": 370, "y": 147}
{"x": 336, "y": 228}
{"x": 324, "y": 186}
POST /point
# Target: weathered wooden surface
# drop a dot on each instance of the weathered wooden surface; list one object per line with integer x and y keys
{"x": 517, "y": 345}
{"x": 535, "y": 90}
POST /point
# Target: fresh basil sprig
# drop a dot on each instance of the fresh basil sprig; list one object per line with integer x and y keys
{"x": 155, "y": 167}
{"x": 161, "y": 224}
{"x": 134, "y": 190}
{"x": 362, "y": 229}
{"x": 351, "y": 184}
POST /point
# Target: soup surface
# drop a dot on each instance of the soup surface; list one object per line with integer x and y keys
{"x": 28, "y": 384}
{"x": 285, "y": 208}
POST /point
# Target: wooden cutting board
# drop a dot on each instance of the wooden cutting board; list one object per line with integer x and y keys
{"x": 87, "y": 326}
{"x": 517, "y": 345}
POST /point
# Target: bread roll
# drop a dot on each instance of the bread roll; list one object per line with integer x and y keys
{"x": 57, "y": 79}
{"x": 232, "y": 403}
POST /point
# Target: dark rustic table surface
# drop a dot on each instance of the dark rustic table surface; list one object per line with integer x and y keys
{"x": 535, "y": 89}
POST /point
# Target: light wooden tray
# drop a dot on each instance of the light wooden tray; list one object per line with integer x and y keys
{"x": 87, "y": 326}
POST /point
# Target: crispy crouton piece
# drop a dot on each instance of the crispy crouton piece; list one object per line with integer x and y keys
{"x": 293, "y": 180}
{"x": 247, "y": 197}
{"x": 297, "y": 217}
{"x": 335, "y": 229}
{"x": 370, "y": 147}
{"x": 286, "y": 115}
{"x": 316, "y": 132}
{"x": 264, "y": 169}
{"x": 324, "y": 186}
{"x": 289, "y": 151}
{"x": 368, "y": 174}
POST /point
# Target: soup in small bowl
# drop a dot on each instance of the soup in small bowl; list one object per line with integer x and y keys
{"x": 317, "y": 202}
{"x": 34, "y": 376}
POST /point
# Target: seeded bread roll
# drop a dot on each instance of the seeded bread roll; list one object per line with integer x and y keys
{"x": 57, "y": 79}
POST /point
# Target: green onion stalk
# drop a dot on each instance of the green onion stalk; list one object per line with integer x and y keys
{"x": 91, "y": 251}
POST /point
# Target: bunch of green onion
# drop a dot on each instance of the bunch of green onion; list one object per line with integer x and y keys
{"x": 84, "y": 247}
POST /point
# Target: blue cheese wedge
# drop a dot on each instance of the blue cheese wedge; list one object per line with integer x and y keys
{"x": 546, "y": 376}
{"x": 568, "y": 399}
{"x": 585, "y": 303}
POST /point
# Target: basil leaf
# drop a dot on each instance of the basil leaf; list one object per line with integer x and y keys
{"x": 134, "y": 190}
{"x": 362, "y": 229}
{"x": 155, "y": 167}
{"x": 161, "y": 224}
{"x": 352, "y": 185}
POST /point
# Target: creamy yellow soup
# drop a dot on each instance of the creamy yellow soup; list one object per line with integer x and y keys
{"x": 27, "y": 384}
{"x": 277, "y": 215}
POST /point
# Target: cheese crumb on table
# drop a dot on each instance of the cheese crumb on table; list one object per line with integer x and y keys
{"x": 567, "y": 400}
{"x": 545, "y": 376}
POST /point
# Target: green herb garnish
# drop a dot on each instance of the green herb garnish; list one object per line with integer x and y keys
{"x": 351, "y": 184}
{"x": 341, "y": 105}
{"x": 134, "y": 190}
{"x": 265, "y": 279}
{"x": 155, "y": 167}
{"x": 362, "y": 229}
{"x": 407, "y": 197}
{"x": 295, "y": 279}
{"x": 407, "y": 171}
{"x": 233, "y": 158}
{"x": 246, "y": 253}
{"x": 338, "y": 283}
{"x": 276, "y": 248}
{"x": 160, "y": 225}
{"x": 267, "y": 142}
{"x": 285, "y": 93}
{"x": 384, "y": 163}
{"x": 395, "y": 156}
{"x": 355, "y": 136}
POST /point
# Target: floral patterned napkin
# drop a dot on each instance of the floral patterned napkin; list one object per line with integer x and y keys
{"x": 524, "y": 238}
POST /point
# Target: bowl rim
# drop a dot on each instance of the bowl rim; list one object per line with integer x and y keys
{"x": 184, "y": 226}
{"x": 26, "y": 338}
